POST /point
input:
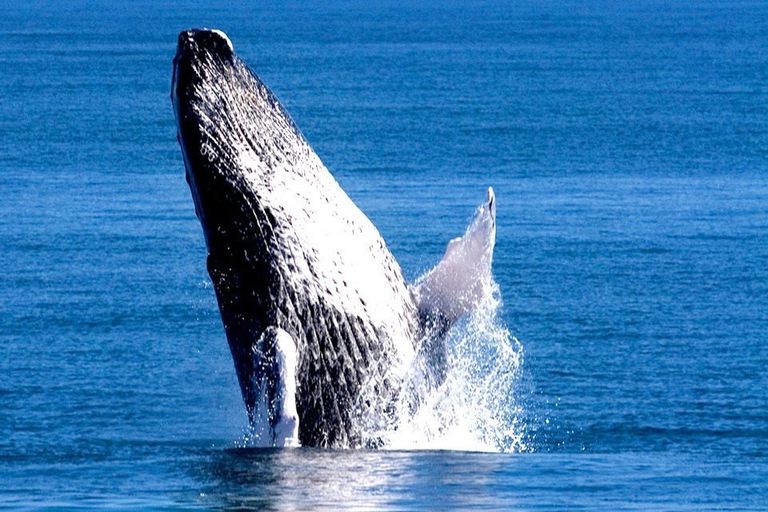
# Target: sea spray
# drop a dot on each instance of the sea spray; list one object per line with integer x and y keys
{"x": 476, "y": 407}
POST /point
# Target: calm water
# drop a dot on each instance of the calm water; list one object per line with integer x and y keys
{"x": 629, "y": 153}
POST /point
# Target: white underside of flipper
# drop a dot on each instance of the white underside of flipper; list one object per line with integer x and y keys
{"x": 457, "y": 284}
{"x": 280, "y": 419}
{"x": 286, "y": 430}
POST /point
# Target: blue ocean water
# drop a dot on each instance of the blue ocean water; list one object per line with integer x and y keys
{"x": 628, "y": 147}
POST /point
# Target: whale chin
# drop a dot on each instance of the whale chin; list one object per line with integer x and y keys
{"x": 319, "y": 319}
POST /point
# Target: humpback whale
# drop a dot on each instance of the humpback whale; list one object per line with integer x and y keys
{"x": 320, "y": 321}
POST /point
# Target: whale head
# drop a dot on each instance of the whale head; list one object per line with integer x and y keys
{"x": 231, "y": 128}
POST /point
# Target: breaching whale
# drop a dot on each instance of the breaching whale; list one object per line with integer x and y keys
{"x": 320, "y": 321}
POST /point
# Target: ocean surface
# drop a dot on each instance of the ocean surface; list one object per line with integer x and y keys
{"x": 628, "y": 148}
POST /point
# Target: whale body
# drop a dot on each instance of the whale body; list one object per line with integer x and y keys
{"x": 320, "y": 321}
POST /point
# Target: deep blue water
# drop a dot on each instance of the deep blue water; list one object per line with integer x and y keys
{"x": 628, "y": 147}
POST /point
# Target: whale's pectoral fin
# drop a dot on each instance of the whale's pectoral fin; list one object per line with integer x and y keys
{"x": 457, "y": 284}
{"x": 265, "y": 358}
{"x": 453, "y": 288}
{"x": 274, "y": 356}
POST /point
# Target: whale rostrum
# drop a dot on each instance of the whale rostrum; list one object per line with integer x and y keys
{"x": 320, "y": 321}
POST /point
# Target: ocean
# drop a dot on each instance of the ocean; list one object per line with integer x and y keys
{"x": 628, "y": 148}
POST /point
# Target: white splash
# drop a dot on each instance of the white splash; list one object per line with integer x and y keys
{"x": 475, "y": 409}
{"x": 474, "y": 406}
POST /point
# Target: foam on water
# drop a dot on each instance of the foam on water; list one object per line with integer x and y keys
{"x": 475, "y": 408}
